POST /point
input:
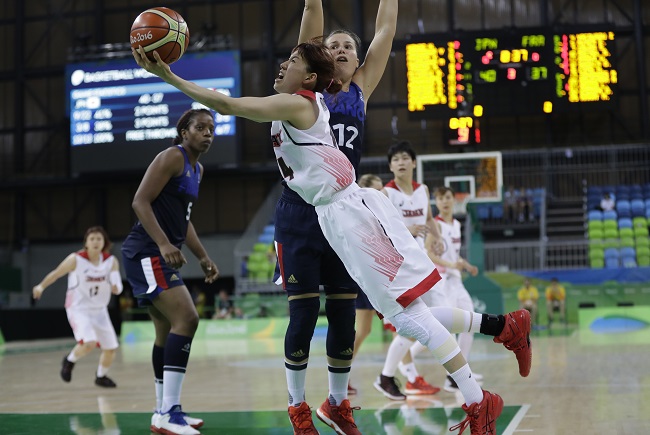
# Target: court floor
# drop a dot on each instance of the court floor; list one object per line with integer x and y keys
{"x": 576, "y": 386}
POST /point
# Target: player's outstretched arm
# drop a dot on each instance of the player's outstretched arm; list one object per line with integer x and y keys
{"x": 281, "y": 107}
{"x": 65, "y": 267}
{"x": 311, "y": 25}
{"x": 369, "y": 74}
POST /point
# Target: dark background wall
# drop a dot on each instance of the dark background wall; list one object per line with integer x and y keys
{"x": 41, "y": 201}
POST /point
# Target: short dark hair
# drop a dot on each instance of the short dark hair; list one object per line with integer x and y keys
{"x": 184, "y": 122}
{"x": 320, "y": 61}
{"x": 401, "y": 147}
{"x": 440, "y": 191}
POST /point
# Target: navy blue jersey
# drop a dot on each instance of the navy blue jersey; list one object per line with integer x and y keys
{"x": 347, "y": 119}
{"x": 172, "y": 209}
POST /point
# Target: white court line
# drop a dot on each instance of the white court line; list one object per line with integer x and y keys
{"x": 514, "y": 423}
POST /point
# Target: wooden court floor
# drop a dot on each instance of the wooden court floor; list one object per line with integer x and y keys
{"x": 576, "y": 386}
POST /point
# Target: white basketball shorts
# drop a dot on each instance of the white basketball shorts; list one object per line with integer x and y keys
{"x": 92, "y": 325}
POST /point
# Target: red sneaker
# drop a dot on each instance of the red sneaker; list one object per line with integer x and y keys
{"x": 481, "y": 417}
{"x": 516, "y": 337}
{"x": 300, "y": 417}
{"x": 339, "y": 417}
{"x": 420, "y": 387}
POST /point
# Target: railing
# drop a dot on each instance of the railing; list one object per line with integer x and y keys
{"x": 536, "y": 255}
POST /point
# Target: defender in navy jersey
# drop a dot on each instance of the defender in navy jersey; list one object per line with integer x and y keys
{"x": 152, "y": 258}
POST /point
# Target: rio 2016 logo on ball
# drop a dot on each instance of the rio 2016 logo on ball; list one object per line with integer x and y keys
{"x": 162, "y": 30}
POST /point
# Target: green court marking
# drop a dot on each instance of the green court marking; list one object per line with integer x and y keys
{"x": 369, "y": 421}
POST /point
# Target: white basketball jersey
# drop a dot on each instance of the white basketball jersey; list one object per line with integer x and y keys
{"x": 88, "y": 284}
{"x": 309, "y": 160}
{"x": 412, "y": 208}
{"x": 450, "y": 234}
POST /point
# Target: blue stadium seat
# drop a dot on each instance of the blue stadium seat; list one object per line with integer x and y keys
{"x": 595, "y": 215}
{"x": 622, "y": 188}
{"x": 624, "y": 223}
{"x": 610, "y": 214}
{"x": 628, "y": 262}
{"x": 612, "y": 253}
{"x": 269, "y": 229}
{"x": 638, "y": 207}
{"x": 628, "y": 252}
{"x": 612, "y": 263}
{"x": 595, "y": 190}
{"x": 483, "y": 211}
{"x": 265, "y": 238}
{"x": 623, "y": 208}
{"x": 496, "y": 211}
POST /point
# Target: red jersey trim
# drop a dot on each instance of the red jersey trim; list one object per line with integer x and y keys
{"x": 424, "y": 286}
{"x": 84, "y": 254}
{"x": 307, "y": 94}
{"x": 393, "y": 185}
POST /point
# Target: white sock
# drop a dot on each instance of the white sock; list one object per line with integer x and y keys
{"x": 102, "y": 371}
{"x": 71, "y": 357}
{"x": 467, "y": 385}
{"x": 417, "y": 348}
{"x": 338, "y": 383}
{"x": 396, "y": 352}
{"x": 159, "y": 393}
{"x": 172, "y": 386}
{"x": 296, "y": 386}
{"x": 409, "y": 371}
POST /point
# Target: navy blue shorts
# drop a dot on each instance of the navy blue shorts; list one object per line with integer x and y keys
{"x": 363, "y": 303}
{"x": 305, "y": 258}
{"x": 149, "y": 276}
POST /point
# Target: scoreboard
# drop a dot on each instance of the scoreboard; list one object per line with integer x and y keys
{"x": 121, "y": 116}
{"x": 507, "y": 73}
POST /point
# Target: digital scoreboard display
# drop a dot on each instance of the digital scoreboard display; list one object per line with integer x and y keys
{"x": 507, "y": 73}
{"x": 121, "y": 116}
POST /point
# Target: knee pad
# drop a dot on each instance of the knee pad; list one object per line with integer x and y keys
{"x": 303, "y": 314}
{"x": 341, "y": 314}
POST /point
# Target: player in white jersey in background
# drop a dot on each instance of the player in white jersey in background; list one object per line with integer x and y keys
{"x": 450, "y": 264}
{"x": 361, "y": 225}
{"x": 93, "y": 275}
{"x": 412, "y": 203}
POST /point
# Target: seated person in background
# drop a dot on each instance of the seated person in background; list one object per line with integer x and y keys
{"x": 525, "y": 206}
{"x": 225, "y": 308}
{"x": 555, "y": 301}
{"x": 528, "y": 296}
{"x": 607, "y": 203}
{"x": 510, "y": 204}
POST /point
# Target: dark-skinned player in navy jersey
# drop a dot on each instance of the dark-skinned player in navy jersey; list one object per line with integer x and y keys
{"x": 152, "y": 260}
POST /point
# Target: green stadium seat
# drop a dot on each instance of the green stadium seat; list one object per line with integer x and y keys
{"x": 641, "y": 231}
{"x": 642, "y": 251}
{"x": 627, "y": 242}
{"x": 610, "y": 224}
{"x": 610, "y": 233}
{"x": 261, "y": 247}
{"x": 595, "y": 225}
{"x": 642, "y": 241}
{"x": 597, "y": 263}
{"x": 640, "y": 221}
{"x": 612, "y": 243}
{"x": 643, "y": 261}
{"x": 596, "y": 253}
{"x": 626, "y": 232}
{"x": 595, "y": 233}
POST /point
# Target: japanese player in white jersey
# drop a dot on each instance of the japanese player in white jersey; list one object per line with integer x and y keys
{"x": 93, "y": 276}
{"x": 361, "y": 225}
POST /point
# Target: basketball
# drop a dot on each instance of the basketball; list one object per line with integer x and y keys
{"x": 162, "y": 30}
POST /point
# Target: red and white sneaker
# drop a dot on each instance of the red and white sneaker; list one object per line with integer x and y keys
{"x": 516, "y": 337}
{"x": 339, "y": 417}
{"x": 301, "y": 421}
{"x": 420, "y": 387}
{"x": 481, "y": 417}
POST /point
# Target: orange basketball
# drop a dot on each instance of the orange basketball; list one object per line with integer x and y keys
{"x": 162, "y": 30}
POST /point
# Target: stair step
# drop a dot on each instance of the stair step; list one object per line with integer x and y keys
{"x": 566, "y": 219}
